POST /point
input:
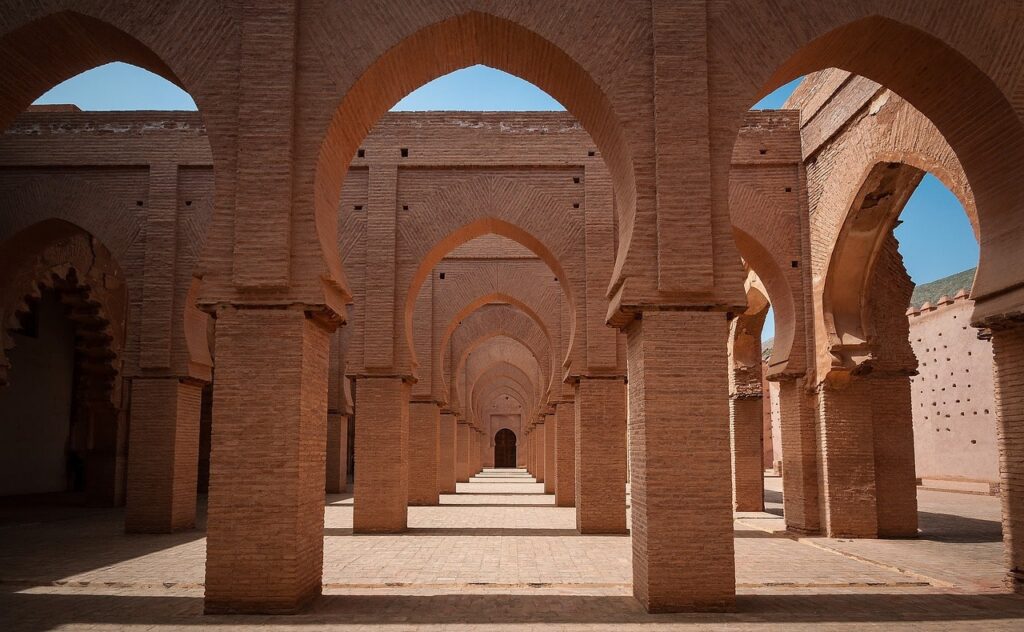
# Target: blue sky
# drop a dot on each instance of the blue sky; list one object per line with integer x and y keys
{"x": 935, "y": 237}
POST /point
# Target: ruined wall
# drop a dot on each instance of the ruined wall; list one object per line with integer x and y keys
{"x": 954, "y": 403}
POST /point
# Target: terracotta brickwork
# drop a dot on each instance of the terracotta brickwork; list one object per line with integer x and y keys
{"x": 291, "y": 205}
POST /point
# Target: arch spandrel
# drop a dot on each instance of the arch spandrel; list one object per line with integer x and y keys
{"x": 484, "y": 205}
{"x": 403, "y": 54}
{"x": 944, "y": 71}
{"x": 54, "y": 254}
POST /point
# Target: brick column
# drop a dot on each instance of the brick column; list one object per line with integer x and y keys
{"x": 746, "y": 424}
{"x": 424, "y": 442}
{"x": 540, "y": 459}
{"x": 682, "y": 529}
{"x": 478, "y": 446}
{"x": 798, "y": 426}
{"x": 600, "y": 455}
{"x": 462, "y": 452}
{"x": 847, "y": 448}
{"x": 446, "y": 454}
{"x": 550, "y": 429}
{"x": 381, "y": 495}
{"x": 1008, "y": 372}
{"x": 163, "y": 455}
{"x": 895, "y": 475}
{"x": 565, "y": 455}
{"x": 264, "y": 550}
{"x": 337, "y": 453}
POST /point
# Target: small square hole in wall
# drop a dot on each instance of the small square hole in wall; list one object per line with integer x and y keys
{"x": 591, "y": 153}
{"x": 575, "y": 180}
{"x": 358, "y": 207}
{"x": 138, "y": 203}
{"x": 575, "y": 204}
{"x": 789, "y": 189}
{"x": 795, "y": 264}
{"x": 405, "y": 152}
{"x": 188, "y": 202}
{"x": 762, "y": 151}
{"x": 405, "y": 207}
{"x": 441, "y": 275}
{"x": 361, "y": 153}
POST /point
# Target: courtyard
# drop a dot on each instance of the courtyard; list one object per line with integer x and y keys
{"x": 499, "y": 554}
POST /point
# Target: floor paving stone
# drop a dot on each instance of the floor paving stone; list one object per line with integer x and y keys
{"x": 498, "y": 555}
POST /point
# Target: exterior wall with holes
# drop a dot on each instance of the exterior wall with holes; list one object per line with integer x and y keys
{"x": 954, "y": 407}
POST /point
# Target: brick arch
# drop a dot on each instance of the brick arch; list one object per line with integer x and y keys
{"x": 520, "y": 320}
{"x": 57, "y": 255}
{"x": 501, "y": 373}
{"x": 767, "y": 256}
{"x": 487, "y": 205}
{"x": 30, "y": 198}
{"x": 745, "y": 340}
{"x": 501, "y": 320}
{"x": 495, "y": 390}
{"x": 502, "y": 351}
{"x": 864, "y": 230}
{"x": 457, "y": 41}
{"x": 927, "y": 60}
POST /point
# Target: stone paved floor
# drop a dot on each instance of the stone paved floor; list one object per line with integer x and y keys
{"x": 500, "y": 555}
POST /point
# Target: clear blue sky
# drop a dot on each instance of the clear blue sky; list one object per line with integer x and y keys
{"x": 935, "y": 237}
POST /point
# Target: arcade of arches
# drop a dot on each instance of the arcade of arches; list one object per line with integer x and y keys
{"x": 293, "y": 292}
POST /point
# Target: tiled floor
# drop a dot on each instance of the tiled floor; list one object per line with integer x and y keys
{"x": 498, "y": 555}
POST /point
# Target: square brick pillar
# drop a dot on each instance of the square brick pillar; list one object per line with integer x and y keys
{"x": 847, "y": 448}
{"x": 381, "y": 498}
{"x": 565, "y": 455}
{"x": 539, "y": 459}
{"x": 895, "y": 475}
{"x": 1008, "y": 374}
{"x": 424, "y": 443}
{"x": 163, "y": 455}
{"x": 550, "y": 431}
{"x": 600, "y": 455}
{"x": 446, "y": 454}
{"x": 798, "y": 427}
{"x": 746, "y": 425}
{"x": 477, "y": 453}
{"x": 682, "y": 529}
{"x": 265, "y": 534}
{"x": 462, "y": 452}
{"x": 337, "y": 453}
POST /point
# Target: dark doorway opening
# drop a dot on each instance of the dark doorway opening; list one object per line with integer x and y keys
{"x": 505, "y": 448}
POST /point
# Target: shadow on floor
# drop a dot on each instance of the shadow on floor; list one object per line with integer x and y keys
{"x": 44, "y": 542}
{"x": 951, "y": 528}
{"x": 49, "y": 611}
{"x": 446, "y": 531}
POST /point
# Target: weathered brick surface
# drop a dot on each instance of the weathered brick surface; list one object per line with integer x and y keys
{"x": 163, "y": 455}
{"x": 565, "y": 455}
{"x": 269, "y": 557}
{"x": 681, "y": 510}
{"x": 446, "y": 465}
{"x": 800, "y": 491}
{"x": 1008, "y": 353}
{"x": 550, "y": 433}
{"x": 337, "y": 453}
{"x": 745, "y": 426}
{"x": 424, "y": 444}
{"x": 600, "y": 458}
{"x": 462, "y": 452}
{"x": 381, "y": 495}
